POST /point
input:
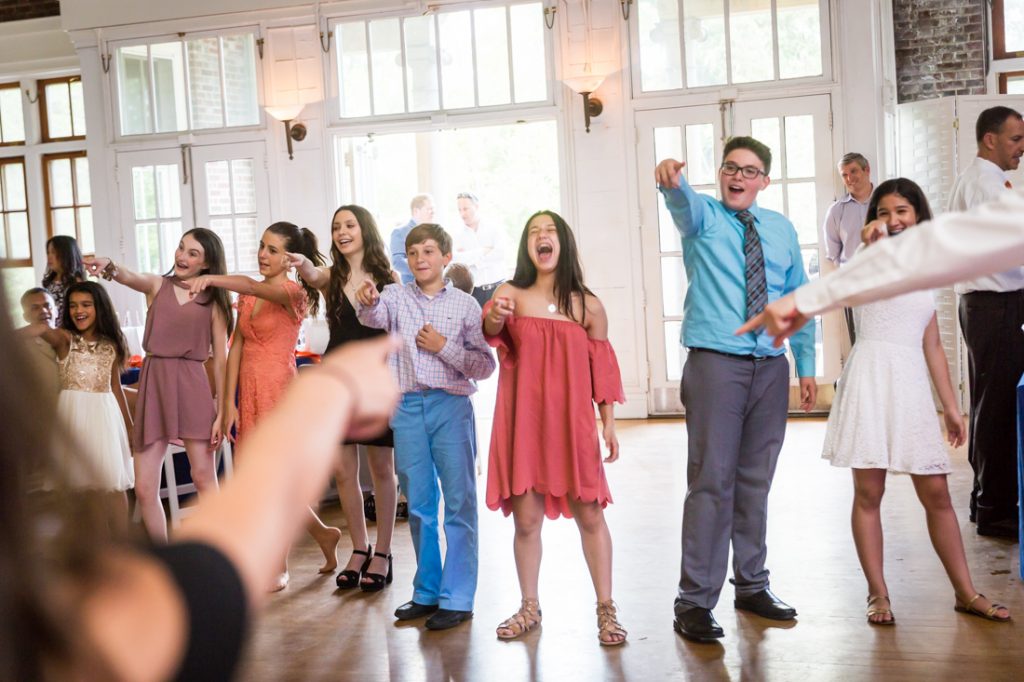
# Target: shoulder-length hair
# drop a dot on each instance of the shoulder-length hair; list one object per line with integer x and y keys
{"x": 107, "y": 325}
{"x": 908, "y": 189}
{"x": 70, "y": 258}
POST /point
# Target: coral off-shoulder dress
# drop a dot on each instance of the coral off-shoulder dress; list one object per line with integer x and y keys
{"x": 545, "y": 436}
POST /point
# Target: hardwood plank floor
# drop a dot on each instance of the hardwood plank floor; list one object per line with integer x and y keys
{"x": 312, "y": 632}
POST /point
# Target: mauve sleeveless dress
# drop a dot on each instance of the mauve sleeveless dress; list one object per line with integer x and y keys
{"x": 175, "y": 400}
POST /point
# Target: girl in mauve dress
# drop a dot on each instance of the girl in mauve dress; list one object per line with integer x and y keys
{"x": 175, "y": 401}
{"x": 261, "y": 362}
{"x": 555, "y": 362}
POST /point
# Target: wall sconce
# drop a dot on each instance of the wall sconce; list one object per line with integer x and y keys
{"x": 292, "y": 131}
{"x": 585, "y": 85}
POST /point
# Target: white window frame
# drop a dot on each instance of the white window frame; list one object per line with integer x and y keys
{"x": 114, "y": 81}
{"x": 827, "y": 76}
{"x": 332, "y": 93}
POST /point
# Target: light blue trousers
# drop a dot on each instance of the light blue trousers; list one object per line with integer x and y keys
{"x": 435, "y": 439}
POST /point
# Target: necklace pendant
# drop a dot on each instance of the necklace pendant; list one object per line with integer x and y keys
{"x": 552, "y": 308}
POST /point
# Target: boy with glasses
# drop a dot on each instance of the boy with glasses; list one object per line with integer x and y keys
{"x": 738, "y": 257}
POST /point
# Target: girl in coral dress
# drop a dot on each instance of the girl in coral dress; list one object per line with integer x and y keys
{"x": 261, "y": 362}
{"x": 555, "y": 363}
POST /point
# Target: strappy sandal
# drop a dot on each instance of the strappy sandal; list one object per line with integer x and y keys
{"x": 348, "y": 578}
{"x": 987, "y": 614}
{"x": 875, "y": 611}
{"x": 525, "y": 619}
{"x": 608, "y": 624}
{"x": 375, "y": 582}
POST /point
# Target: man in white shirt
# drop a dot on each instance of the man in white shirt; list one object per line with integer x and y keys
{"x": 991, "y": 314}
{"x": 479, "y": 246}
{"x": 37, "y": 306}
{"x": 845, "y": 218}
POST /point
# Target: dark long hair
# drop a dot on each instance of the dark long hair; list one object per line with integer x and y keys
{"x": 70, "y": 258}
{"x": 375, "y": 259}
{"x": 568, "y": 271}
{"x": 302, "y": 240}
{"x": 909, "y": 190}
{"x": 107, "y": 326}
{"x": 213, "y": 250}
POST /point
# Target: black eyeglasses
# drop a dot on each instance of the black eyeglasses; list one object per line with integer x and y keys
{"x": 749, "y": 172}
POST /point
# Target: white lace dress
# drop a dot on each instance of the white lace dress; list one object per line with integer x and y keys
{"x": 883, "y": 415}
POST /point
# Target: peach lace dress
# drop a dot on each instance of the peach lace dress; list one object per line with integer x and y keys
{"x": 268, "y": 356}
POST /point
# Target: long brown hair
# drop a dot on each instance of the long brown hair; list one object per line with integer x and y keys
{"x": 72, "y": 269}
{"x": 213, "y": 250}
{"x": 375, "y": 259}
{"x": 302, "y": 240}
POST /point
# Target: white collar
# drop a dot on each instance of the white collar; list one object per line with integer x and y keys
{"x": 986, "y": 166}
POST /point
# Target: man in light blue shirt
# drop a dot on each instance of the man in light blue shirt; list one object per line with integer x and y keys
{"x": 738, "y": 257}
{"x": 422, "y": 208}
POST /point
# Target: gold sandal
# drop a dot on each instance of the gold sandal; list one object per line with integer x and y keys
{"x": 608, "y": 624}
{"x": 987, "y": 614}
{"x": 873, "y": 611}
{"x": 525, "y": 619}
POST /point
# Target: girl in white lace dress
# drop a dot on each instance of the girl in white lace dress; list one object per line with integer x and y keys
{"x": 91, "y": 352}
{"x": 883, "y": 418}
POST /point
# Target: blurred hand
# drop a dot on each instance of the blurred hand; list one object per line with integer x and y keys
{"x": 94, "y": 264}
{"x": 611, "y": 441}
{"x": 430, "y": 340}
{"x": 199, "y": 284}
{"x": 873, "y": 231}
{"x": 808, "y": 393}
{"x": 295, "y": 260}
{"x": 668, "y": 172}
{"x": 780, "y": 319}
{"x": 364, "y": 363}
{"x": 501, "y": 309}
{"x": 367, "y": 293}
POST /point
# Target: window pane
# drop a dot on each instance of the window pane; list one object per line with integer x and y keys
{"x": 77, "y": 108}
{"x": 457, "y": 81}
{"x": 673, "y": 285}
{"x": 771, "y": 198}
{"x": 133, "y": 87}
{"x": 750, "y": 40}
{"x": 64, "y": 222}
{"x": 169, "y": 85}
{"x": 82, "y": 180}
{"x": 17, "y": 231}
{"x": 61, "y": 191}
{"x": 803, "y": 211}
{"x": 86, "y": 235}
{"x": 799, "y": 39}
{"x": 668, "y": 144}
{"x": 147, "y": 244}
{"x": 529, "y": 62}
{"x": 811, "y": 266}
{"x": 16, "y": 281}
{"x": 704, "y": 31}
{"x": 170, "y": 236}
{"x": 240, "y": 79}
{"x": 661, "y": 64}
{"x": 385, "y": 45}
{"x": 168, "y": 192}
{"x": 224, "y": 227}
{"x": 204, "y": 83}
{"x": 247, "y": 237}
{"x": 14, "y": 187}
{"x": 243, "y": 185}
{"x": 674, "y": 352}
{"x": 1013, "y": 23}
{"x": 12, "y": 121}
{"x": 491, "y": 41}
{"x": 700, "y": 154}
{"x": 218, "y": 188}
{"x": 144, "y": 192}
{"x": 353, "y": 70}
{"x": 58, "y": 110}
{"x": 421, "y": 63}
{"x": 800, "y": 146}
{"x": 1015, "y": 85}
{"x": 767, "y": 130}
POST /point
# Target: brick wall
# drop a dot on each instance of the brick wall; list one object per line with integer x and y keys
{"x": 940, "y": 48}
{"x": 15, "y": 10}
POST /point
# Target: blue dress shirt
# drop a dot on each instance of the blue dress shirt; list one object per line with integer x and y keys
{"x": 715, "y": 304}
{"x": 398, "y": 260}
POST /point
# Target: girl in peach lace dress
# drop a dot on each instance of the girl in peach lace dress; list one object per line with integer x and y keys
{"x": 91, "y": 351}
{"x": 261, "y": 362}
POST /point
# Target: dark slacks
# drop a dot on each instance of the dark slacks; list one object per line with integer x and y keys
{"x": 735, "y": 422}
{"x": 991, "y": 324}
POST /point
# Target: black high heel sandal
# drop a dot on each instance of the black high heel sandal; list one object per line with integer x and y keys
{"x": 377, "y": 581}
{"x": 346, "y": 580}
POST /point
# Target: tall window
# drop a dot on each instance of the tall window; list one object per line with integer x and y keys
{"x": 1011, "y": 83}
{"x": 1008, "y": 28}
{"x": 61, "y": 109}
{"x": 15, "y": 248}
{"x": 445, "y": 60}
{"x": 698, "y": 43}
{"x": 68, "y": 198}
{"x": 191, "y": 84}
{"x": 12, "y": 118}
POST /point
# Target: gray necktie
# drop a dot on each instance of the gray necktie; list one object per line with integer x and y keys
{"x": 757, "y": 285}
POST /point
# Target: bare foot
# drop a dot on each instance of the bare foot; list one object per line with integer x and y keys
{"x": 328, "y": 540}
{"x": 281, "y": 582}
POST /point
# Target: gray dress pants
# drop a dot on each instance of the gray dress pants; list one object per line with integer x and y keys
{"x": 735, "y": 421}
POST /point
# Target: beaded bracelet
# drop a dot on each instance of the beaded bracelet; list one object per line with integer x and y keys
{"x": 110, "y": 272}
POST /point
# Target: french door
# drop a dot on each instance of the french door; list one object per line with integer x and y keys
{"x": 799, "y": 134}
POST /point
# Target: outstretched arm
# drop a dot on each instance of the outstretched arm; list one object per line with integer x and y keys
{"x": 145, "y": 283}
{"x": 316, "y": 277}
{"x": 59, "y": 339}
{"x": 240, "y": 284}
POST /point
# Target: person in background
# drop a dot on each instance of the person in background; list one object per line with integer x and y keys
{"x": 460, "y": 277}
{"x": 422, "y": 209}
{"x": 481, "y": 246}
{"x": 64, "y": 267}
{"x": 37, "y": 307}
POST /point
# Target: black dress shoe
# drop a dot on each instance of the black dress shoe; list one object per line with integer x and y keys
{"x": 1004, "y": 528}
{"x": 766, "y": 605}
{"x": 697, "y": 624}
{"x": 446, "y": 618}
{"x": 410, "y": 610}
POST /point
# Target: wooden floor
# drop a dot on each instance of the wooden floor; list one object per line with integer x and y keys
{"x": 312, "y": 632}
